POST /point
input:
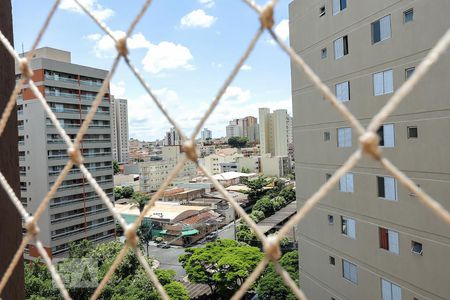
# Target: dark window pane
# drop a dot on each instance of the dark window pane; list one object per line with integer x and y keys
{"x": 345, "y": 41}
{"x": 376, "y": 33}
{"x": 381, "y": 135}
{"x": 381, "y": 187}
{"x": 343, "y": 4}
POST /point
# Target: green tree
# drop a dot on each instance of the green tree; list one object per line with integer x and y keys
{"x": 245, "y": 170}
{"x": 139, "y": 200}
{"x": 116, "y": 167}
{"x": 238, "y": 141}
{"x": 127, "y": 192}
{"x": 256, "y": 188}
{"x": 176, "y": 291}
{"x": 246, "y": 235}
{"x": 288, "y": 193}
{"x": 145, "y": 233}
{"x": 223, "y": 265}
{"x": 118, "y": 192}
{"x": 265, "y": 205}
{"x": 270, "y": 286}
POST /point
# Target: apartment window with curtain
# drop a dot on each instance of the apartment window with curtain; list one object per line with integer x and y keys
{"x": 386, "y": 135}
{"x": 346, "y": 183}
{"x": 389, "y": 240}
{"x": 350, "y": 271}
{"x": 348, "y": 227}
{"x": 338, "y": 6}
{"x": 344, "y": 137}
{"x": 383, "y": 83}
{"x": 390, "y": 291}
{"x": 340, "y": 47}
{"x": 343, "y": 91}
{"x": 387, "y": 187}
{"x": 381, "y": 29}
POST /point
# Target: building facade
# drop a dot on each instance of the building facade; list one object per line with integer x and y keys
{"x": 246, "y": 127}
{"x": 172, "y": 138}
{"x": 119, "y": 130}
{"x": 273, "y": 132}
{"x": 370, "y": 238}
{"x": 75, "y": 212}
{"x": 206, "y": 134}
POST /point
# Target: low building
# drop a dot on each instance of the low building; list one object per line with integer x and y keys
{"x": 182, "y": 195}
{"x": 249, "y": 164}
{"x": 278, "y": 166}
{"x": 229, "y": 167}
{"x": 127, "y": 180}
{"x": 232, "y": 178}
{"x": 213, "y": 162}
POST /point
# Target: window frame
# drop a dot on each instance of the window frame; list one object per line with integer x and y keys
{"x": 407, "y": 70}
{"x": 350, "y": 267}
{"x": 408, "y": 133}
{"x": 346, "y": 133}
{"x": 384, "y": 77}
{"x": 322, "y": 11}
{"x": 377, "y": 26}
{"x": 344, "y": 185}
{"x": 336, "y": 3}
{"x": 383, "y": 187}
{"x": 324, "y": 53}
{"x": 415, "y": 252}
{"x": 408, "y": 12}
{"x": 389, "y": 240}
{"x": 339, "y": 87}
{"x": 387, "y": 137}
{"x": 391, "y": 295}
{"x": 342, "y": 42}
{"x": 345, "y": 229}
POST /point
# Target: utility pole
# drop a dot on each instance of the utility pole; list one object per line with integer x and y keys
{"x": 10, "y": 220}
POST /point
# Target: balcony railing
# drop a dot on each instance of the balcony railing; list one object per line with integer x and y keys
{"x": 75, "y": 216}
{"x": 72, "y": 80}
{"x": 70, "y": 233}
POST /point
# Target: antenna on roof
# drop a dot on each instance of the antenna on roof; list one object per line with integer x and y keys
{"x": 23, "y": 52}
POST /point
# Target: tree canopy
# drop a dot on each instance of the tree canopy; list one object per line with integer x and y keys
{"x": 129, "y": 281}
{"x": 270, "y": 286}
{"x": 139, "y": 200}
{"x": 223, "y": 265}
{"x": 238, "y": 141}
{"x": 116, "y": 167}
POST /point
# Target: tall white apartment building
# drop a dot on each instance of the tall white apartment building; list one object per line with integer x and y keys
{"x": 119, "y": 129}
{"x": 246, "y": 127}
{"x": 172, "y": 138}
{"x": 75, "y": 212}
{"x": 273, "y": 132}
{"x": 206, "y": 134}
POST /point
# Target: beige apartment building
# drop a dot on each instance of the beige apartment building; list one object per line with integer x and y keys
{"x": 370, "y": 238}
{"x": 75, "y": 212}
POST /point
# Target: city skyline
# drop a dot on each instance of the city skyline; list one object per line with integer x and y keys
{"x": 187, "y": 74}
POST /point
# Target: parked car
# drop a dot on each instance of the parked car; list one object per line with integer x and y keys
{"x": 211, "y": 236}
{"x": 163, "y": 245}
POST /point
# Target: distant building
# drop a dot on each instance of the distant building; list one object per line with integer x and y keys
{"x": 246, "y": 127}
{"x": 273, "y": 132}
{"x": 172, "y": 138}
{"x": 119, "y": 129}
{"x": 206, "y": 134}
{"x": 154, "y": 173}
{"x": 213, "y": 162}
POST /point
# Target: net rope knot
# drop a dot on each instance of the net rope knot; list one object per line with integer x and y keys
{"x": 369, "y": 144}
{"x": 272, "y": 248}
{"x": 131, "y": 236}
{"x": 75, "y": 155}
{"x": 191, "y": 150}
{"x": 121, "y": 46}
{"x": 31, "y": 226}
{"x": 266, "y": 17}
{"x": 24, "y": 67}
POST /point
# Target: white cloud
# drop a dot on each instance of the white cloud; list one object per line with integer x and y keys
{"x": 102, "y": 13}
{"x": 163, "y": 56}
{"x": 236, "y": 94}
{"x": 167, "y": 56}
{"x": 246, "y": 67}
{"x": 207, "y": 3}
{"x": 197, "y": 18}
{"x": 282, "y": 30}
{"x": 118, "y": 89}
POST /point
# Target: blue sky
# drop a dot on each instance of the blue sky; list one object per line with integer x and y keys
{"x": 184, "y": 49}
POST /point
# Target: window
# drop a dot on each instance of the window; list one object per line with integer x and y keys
{"x": 338, "y": 6}
{"x": 383, "y": 83}
{"x": 330, "y": 220}
{"x": 340, "y": 47}
{"x": 346, "y": 183}
{"x": 386, "y": 134}
{"x": 412, "y": 132}
{"x": 408, "y": 16}
{"x": 409, "y": 72}
{"x": 323, "y": 53}
{"x": 348, "y": 227}
{"x": 326, "y": 136}
{"x": 344, "y": 137}
{"x": 349, "y": 271}
{"x": 332, "y": 260}
{"x": 381, "y": 29}
{"x": 387, "y": 188}
{"x": 388, "y": 240}
{"x": 327, "y": 176}
{"x": 416, "y": 247}
{"x": 322, "y": 11}
{"x": 390, "y": 291}
{"x": 343, "y": 91}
